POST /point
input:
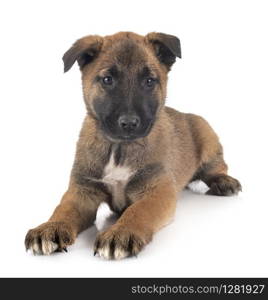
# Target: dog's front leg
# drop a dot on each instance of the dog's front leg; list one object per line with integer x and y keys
{"x": 76, "y": 212}
{"x": 135, "y": 228}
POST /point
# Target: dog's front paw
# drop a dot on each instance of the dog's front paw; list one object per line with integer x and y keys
{"x": 49, "y": 237}
{"x": 224, "y": 185}
{"x": 118, "y": 243}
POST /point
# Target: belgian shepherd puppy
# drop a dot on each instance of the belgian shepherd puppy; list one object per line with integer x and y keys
{"x": 133, "y": 153}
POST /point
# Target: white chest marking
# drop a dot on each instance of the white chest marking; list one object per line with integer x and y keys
{"x": 114, "y": 174}
{"x": 116, "y": 178}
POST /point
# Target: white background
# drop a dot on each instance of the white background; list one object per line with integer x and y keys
{"x": 222, "y": 76}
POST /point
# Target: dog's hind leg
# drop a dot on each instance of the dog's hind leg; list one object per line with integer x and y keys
{"x": 213, "y": 169}
{"x": 214, "y": 174}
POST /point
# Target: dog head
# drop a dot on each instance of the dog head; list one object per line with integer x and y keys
{"x": 124, "y": 79}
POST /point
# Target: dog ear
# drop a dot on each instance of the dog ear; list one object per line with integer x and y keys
{"x": 167, "y": 47}
{"x": 84, "y": 51}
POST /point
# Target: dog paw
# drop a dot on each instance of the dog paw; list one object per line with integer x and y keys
{"x": 118, "y": 243}
{"x": 223, "y": 185}
{"x": 49, "y": 237}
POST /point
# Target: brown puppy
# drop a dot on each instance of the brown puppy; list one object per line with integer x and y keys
{"x": 134, "y": 153}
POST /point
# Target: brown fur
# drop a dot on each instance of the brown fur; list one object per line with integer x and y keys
{"x": 179, "y": 148}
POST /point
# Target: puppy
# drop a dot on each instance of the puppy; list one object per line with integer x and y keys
{"x": 133, "y": 153}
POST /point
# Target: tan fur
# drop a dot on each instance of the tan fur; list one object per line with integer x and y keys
{"x": 180, "y": 148}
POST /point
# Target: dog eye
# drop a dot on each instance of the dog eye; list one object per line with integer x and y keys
{"x": 108, "y": 80}
{"x": 150, "y": 82}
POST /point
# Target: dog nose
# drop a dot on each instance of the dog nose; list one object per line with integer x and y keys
{"x": 129, "y": 122}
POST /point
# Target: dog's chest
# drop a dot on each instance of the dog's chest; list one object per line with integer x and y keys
{"x": 116, "y": 178}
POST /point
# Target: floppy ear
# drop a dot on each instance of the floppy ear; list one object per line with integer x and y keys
{"x": 167, "y": 47}
{"x": 83, "y": 51}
